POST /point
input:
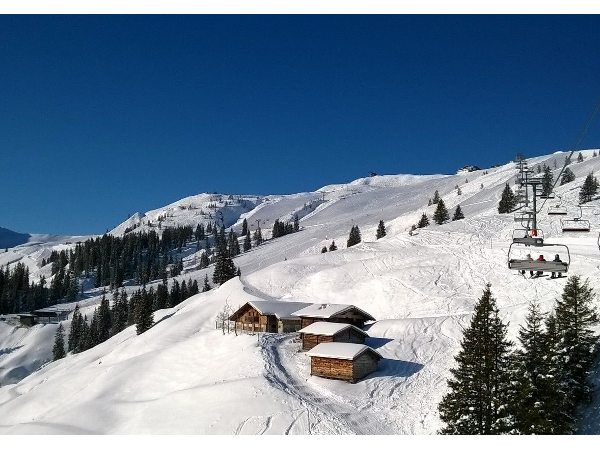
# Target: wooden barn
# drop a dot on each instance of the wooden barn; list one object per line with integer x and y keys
{"x": 330, "y": 312}
{"x": 343, "y": 361}
{"x": 319, "y": 332}
{"x": 268, "y": 317}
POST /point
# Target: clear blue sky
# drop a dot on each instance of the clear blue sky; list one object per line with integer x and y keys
{"x": 102, "y": 116}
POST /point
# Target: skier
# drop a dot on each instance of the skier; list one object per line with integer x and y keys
{"x": 556, "y": 259}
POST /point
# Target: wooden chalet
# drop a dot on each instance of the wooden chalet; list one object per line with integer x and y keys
{"x": 268, "y": 317}
{"x": 51, "y": 314}
{"x": 319, "y": 332}
{"x": 343, "y": 361}
{"x": 329, "y": 312}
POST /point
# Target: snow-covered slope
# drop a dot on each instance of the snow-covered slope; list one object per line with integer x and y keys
{"x": 183, "y": 376}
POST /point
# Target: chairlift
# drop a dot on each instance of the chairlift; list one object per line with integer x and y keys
{"x": 523, "y": 216}
{"x": 518, "y": 262}
{"x": 557, "y": 210}
{"x": 576, "y": 224}
{"x": 528, "y": 237}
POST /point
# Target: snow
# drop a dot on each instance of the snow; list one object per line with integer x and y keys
{"x": 328, "y": 328}
{"x": 326, "y": 311}
{"x": 339, "y": 350}
{"x": 184, "y": 376}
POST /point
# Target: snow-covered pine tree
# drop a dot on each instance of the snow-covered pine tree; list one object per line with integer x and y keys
{"x": 436, "y": 197}
{"x": 206, "y": 287}
{"x": 547, "y": 181}
{"x": 478, "y": 401}
{"x": 258, "y": 237}
{"x": 579, "y": 157}
{"x": 296, "y": 223}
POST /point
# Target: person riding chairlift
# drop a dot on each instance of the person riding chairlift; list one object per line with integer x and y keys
{"x": 556, "y": 259}
{"x": 539, "y": 272}
{"x": 528, "y": 258}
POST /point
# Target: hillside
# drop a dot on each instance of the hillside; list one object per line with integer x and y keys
{"x": 183, "y": 376}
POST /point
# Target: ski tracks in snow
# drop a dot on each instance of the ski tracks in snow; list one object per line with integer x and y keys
{"x": 326, "y": 414}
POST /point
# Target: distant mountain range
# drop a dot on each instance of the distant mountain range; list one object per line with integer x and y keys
{"x": 10, "y": 238}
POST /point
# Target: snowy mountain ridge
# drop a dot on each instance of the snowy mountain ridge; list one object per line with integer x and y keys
{"x": 183, "y": 376}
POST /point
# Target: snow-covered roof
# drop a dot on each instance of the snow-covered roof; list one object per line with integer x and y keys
{"x": 328, "y": 310}
{"x": 340, "y": 350}
{"x": 328, "y": 328}
{"x": 281, "y": 310}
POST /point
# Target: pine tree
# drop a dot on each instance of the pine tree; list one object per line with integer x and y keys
{"x": 536, "y": 394}
{"x": 354, "y": 237}
{"x": 324, "y": 250}
{"x": 104, "y": 320}
{"x": 296, "y": 223}
{"x": 458, "y": 214}
{"x": 206, "y": 286}
{"x": 547, "y": 181}
{"x": 144, "y": 317}
{"x": 247, "y": 242}
{"x": 258, "y": 237}
{"x": 75, "y": 331}
{"x": 332, "y": 247}
{"x": 380, "y": 230}
{"x": 423, "y": 221}
{"x": 244, "y": 227}
{"x": 579, "y": 157}
{"x": 508, "y": 201}
{"x": 478, "y": 399}
{"x": 58, "y": 351}
{"x": 589, "y": 189}
{"x": 441, "y": 216}
{"x": 575, "y": 319}
{"x": 436, "y": 197}
{"x": 224, "y": 267}
{"x": 594, "y": 154}
{"x": 567, "y": 176}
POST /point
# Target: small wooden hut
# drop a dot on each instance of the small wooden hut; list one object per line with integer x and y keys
{"x": 336, "y": 313}
{"x": 343, "y": 361}
{"x": 318, "y": 332}
{"x": 268, "y": 317}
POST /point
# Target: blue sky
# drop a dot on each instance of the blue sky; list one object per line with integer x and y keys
{"x": 102, "y": 116}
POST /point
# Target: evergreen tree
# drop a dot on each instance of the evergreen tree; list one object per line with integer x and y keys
{"x": 478, "y": 399}
{"x": 58, "y": 351}
{"x": 594, "y": 154}
{"x": 458, "y": 214}
{"x": 144, "y": 317}
{"x": 244, "y": 227}
{"x": 441, "y": 216}
{"x": 536, "y": 393}
{"x": 296, "y": 223}
{"x": 508, "y": 201}
{"x": 423, "y": 221}
{"x": 324, "y": 250}
{"x": 579, "y": 157}
{"x": 575, "y": 319}
{"x": 436, "y": 197}
{"x": 120, "y": 313}
{"x": 354, "y": 237}
{"x": 224, "y": 267}
{"x": 547, "y": 181}
{"x": 589, "y": 189}
{"x": 75, "y": 331}
{"x": 206, "y": 286}
{"x": 247, "y": 242}
{"x": 258, "y": 237}
{"x": 332, "y": 247}
{"x": 380, "y": 230}
{"x": 104, "y": 320}
{"x": 567, "y": 176}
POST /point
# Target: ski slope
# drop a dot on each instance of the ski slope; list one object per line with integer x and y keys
{"x": 183, "y": 376}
